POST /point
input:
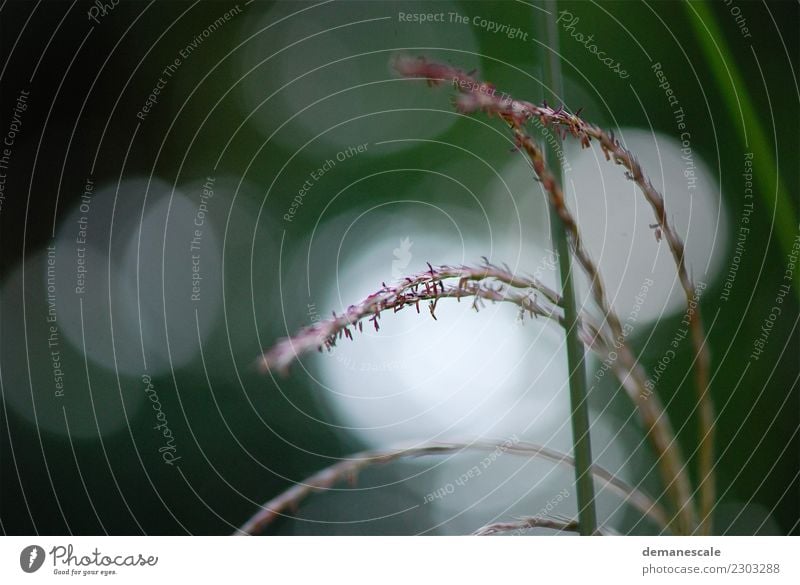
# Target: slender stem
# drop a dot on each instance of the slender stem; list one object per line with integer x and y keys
{"x": 576, "y": 361}
{"x": 584, "y": 484}
{"x": 528, "y": 522}
{"x": 557, "y": 524}
{"x": 348, "y": 468}
{"x": 473, "y": 96}
{"x": 485, "y": 282}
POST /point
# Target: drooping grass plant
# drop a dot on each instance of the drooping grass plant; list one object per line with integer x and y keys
{"x": 347, "y": 469}
{"x": 491, "y": 283}
{"x": 486, "y": 282}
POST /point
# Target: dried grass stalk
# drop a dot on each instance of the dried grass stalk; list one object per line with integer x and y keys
{"x": 347, "y": 469}
{"x": 527, "y": 522}
{"x": 475, "y": 95}
{"x": 485, "y": 282}
{"x": 553, "y": 522}
{"x": 492, "y": 283}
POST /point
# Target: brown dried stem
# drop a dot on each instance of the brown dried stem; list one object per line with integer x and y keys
{"x": 486, "y": 282}
{"x": 527, "y": 522}
{"x": 474, "y": 96}
{"x": 652, "y": 412}
{"x": 347, "y": 469}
